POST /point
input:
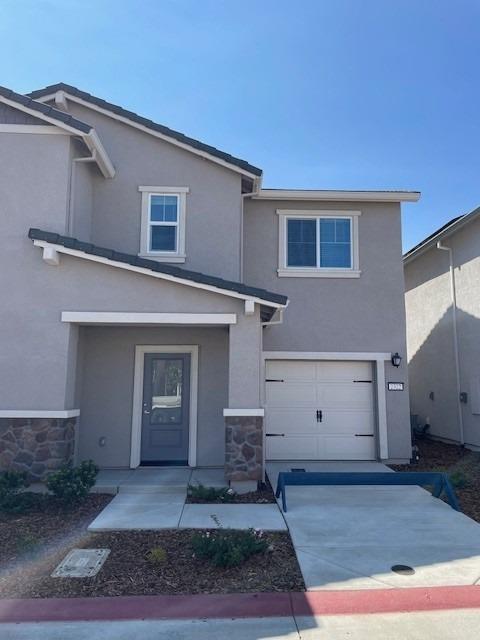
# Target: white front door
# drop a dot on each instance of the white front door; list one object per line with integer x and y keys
{"x": 319, "y": 410}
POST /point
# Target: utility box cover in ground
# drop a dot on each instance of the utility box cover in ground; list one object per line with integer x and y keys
{"x": 81, "y": 563}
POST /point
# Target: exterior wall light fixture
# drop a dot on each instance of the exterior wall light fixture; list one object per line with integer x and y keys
{"x": 396, "y": 359}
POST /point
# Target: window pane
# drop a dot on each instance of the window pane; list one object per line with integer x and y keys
{"x": 335, "y": 243}
{"x": 167, "y": 377}
{"x": 163, "y": 208}
{"x": 163, "y": 238}
{"x": 302, "y": 243}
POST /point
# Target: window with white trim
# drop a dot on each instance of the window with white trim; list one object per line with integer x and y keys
{"x": 315, "y": 244}
{"x": 163, "y": 223}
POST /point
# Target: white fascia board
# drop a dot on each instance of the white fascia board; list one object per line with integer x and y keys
{"x": 326, "y": 355}
{"x": 156, "y": 274}
{"x": 91, "y": 138}
{"x": 32, "y": 128}
{"x": 40, "y": 413}
{"x": 95, "y": 145}
{"x": 234, "y": 413}
{"x": 337, "y": 196}
{"x": 154, "y": 133}
{"x": 108, "y": 317}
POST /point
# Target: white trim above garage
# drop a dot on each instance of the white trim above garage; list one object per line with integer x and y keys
{"x": 140, "y": 351}
{"x": 325, "y": 355}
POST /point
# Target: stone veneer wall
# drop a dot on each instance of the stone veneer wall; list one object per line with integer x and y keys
{"x": 36, "y": 445}
{"x": 244, "y": 448}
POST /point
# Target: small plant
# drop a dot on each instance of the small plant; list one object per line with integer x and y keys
{"x": 210, "y": 494}
{"x": 11, "y": 497}
{"x": 458, "y": 479}
{"x": 157, "y": 556}
{"x": 72, "y": 484}
{"x": 228, "y": 548}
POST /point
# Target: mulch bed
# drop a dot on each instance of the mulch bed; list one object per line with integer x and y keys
{"x": 263, "y": 496}
{"x": 45, "y": 524}
{"x": 452, "y": 459}
{"x": 128, "y": 572}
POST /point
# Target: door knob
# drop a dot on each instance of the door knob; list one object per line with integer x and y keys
{"x": 319, "y": 415}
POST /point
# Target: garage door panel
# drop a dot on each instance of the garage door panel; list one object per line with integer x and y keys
{"x": 286, "y": 394}
{"x": 288, "y": 421}
{"x": 348, "y": 448}
{"x": 306, "y": 448}
{"x": 345, "y": 395}
{"x": 291, "y": 370}
{"x": 341, "y": 370}
{"x": 345, "y": 422}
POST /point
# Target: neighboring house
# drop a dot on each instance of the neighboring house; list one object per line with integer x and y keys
{"x": 442, "y": 284}
{"x": 181, "y": 313}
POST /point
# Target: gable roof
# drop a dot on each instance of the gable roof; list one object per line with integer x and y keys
{"x": 143, "y": 265}
{"x": 114, "y": 109}
{"x": 444, "y": 231}
{"x": 64, "y": 121}
{"x": 43, "y": 109}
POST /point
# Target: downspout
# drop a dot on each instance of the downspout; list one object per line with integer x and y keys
{"x": 455, "y": 336}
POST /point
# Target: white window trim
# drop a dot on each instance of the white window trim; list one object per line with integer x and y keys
{"x": 284, "y": 271}
{"x": 140, "y": 351}
{"x": 163, "y": 256}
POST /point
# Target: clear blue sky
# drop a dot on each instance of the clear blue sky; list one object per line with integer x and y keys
{"x": 350, "y": 94}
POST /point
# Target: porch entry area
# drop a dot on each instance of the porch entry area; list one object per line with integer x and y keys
{"x": 165, "y": 409}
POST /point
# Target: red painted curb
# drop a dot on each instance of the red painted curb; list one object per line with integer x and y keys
{"x": 385, "y": 600}
{"x": 241, "y": 605}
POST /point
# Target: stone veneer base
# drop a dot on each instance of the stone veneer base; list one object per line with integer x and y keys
{"x": 36, "y": 445}
{"x": 244, "y": 448}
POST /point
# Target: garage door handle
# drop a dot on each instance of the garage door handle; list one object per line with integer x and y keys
{"x": 275, "y": 435}
{"x": 364, "y": 435}
{"x": 319, "y": 415}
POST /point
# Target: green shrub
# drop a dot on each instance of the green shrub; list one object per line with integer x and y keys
{"x": 210, "y": 494}
{"x": 458, "y": 479}
{"x": 227, "y": 547}
{"x": 157, "y": 556}
{"x": 11, "y": 497}
{"x": 72, "y": 484}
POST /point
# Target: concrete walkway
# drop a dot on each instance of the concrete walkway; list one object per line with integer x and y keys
{"x": 350, "y": 537}
{"x": 155, "y": 499}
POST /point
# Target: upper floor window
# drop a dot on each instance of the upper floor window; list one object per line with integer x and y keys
{"x": 318, "y": 243}
{"x": 163, "y": 223}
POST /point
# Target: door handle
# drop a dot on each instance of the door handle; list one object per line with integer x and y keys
{"x": 146, "y": 412}
{"x": 319, "y": 415}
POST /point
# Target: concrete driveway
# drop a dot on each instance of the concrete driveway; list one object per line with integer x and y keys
{"x": 350, "y": 537}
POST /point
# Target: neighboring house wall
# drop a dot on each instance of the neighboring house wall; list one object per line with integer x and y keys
{"x": 365, "y": 314}
{"x": 214, "y": 203}
{"x": 107, "y": 350}
{"x": 430, "y": 335}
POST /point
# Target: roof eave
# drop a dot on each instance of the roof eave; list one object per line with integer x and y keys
{"x": 337, "y": 195}
{"x": 256, "y": 176}
{"x": 412, "y": 255}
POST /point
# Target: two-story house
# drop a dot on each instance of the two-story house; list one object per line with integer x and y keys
{"x": 159, "y": 307}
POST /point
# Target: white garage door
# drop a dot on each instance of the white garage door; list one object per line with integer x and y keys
{"x": 318, "y": 410}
